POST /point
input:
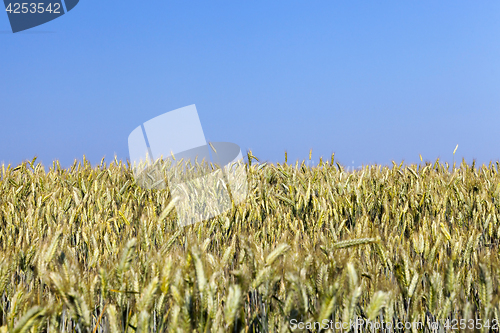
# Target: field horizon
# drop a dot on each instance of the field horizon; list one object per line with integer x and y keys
{"x": 85, "y": 249}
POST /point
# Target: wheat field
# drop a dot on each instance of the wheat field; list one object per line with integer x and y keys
{"x": 85, "y": 249}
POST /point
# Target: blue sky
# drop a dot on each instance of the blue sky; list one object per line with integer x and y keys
{"x": 371, "y": 81}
